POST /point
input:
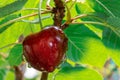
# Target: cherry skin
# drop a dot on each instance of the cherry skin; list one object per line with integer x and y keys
{"x": 46, "y": 49}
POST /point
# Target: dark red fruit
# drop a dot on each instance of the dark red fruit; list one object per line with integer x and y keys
{"x": 45, "y": 50}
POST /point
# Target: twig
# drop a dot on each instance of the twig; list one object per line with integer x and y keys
{"x": 17, "y": 19}
{"x": 78, "y": 17}
{"x": 65, "y": 25}
{"x": 44, "y": 76}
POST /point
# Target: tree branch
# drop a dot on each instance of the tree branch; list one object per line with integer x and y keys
{"x": 58, "y": 12}
{"x": 19, "y": 71}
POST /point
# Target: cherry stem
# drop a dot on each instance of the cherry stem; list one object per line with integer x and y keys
{"x": 44, "y": 76}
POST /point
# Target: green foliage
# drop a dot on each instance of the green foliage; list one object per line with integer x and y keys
{"x": 112, "y": 41}
{"x": 114, "y": 24}
{"x": 85, "y": 46}
{"x": 10, "y": 76}
{"x": 5, "y": 20}
{"x": 13, "y": 7}
{"x": 15, "y": 55}
{"x": 110, "y": 7}
{"x": 2, "y": 73}
{"x": 11, "y": 35}
{"x": 77, "y": 73}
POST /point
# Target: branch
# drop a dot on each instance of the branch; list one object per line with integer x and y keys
{"x": 65, "y": 25}
{"x": 19, "y": 71}
{"x": 59, "y": 12}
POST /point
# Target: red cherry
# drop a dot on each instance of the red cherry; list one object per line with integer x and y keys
{"x": 45, "y": 50}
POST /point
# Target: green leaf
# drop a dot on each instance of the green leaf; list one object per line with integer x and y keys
{"x": 2, "y": 62}
{"x": 110, "y": 39}
{"x": 15, "y": 55}
{"x": 110, "y": 7}
{"x": 83, "y": 8}
{"x": 115, "y": 55}
{"x": 114, "y": 23}
{"x": 112, "y": 42}
{"x": 92, "y": 16}
{"x": 65, "y": 64}
{"x": 13, "y": 7}
{"x": 10, "y": 75}
{"x": 2, "y": 74}
{"x": 5, "y": 2}
{"x": 85, "y": 46}
{"x": 8, "y": 18}
{"x": 11, "y": 35}
{"x": 77, "y": 73}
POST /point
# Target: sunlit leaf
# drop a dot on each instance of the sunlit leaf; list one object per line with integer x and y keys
{"x": 5, "y": 20}
{"x": 11, "y": 35}
{"x": 77, "y": 73}
{"x": 10, "y": 75}
{"x": 85, "y": 46}
{"x": 2, "y": 62}
{"x": 92, "y": 16}
{"x": 83, "y": 8}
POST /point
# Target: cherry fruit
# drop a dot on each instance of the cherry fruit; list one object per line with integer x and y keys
{"x": 45, "y": 50}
